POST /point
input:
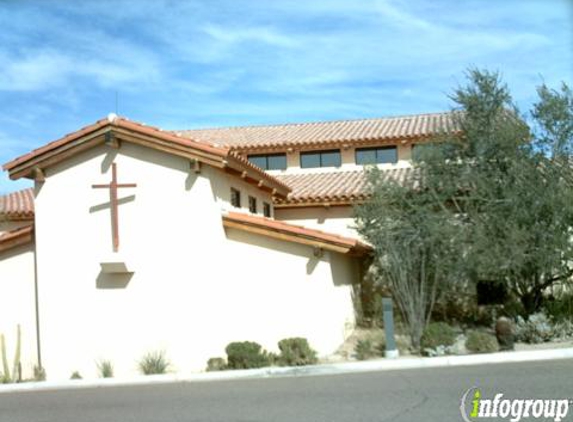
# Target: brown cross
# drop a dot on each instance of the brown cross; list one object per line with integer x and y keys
{"x": 113, "y": 187}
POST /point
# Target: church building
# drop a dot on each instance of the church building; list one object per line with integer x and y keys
{"x": 135, "y": 239}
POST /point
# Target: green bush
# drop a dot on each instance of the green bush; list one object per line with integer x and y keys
{"x": 365, "y": 349}
{"x": 76, "y": 376}
{"x": 437, "y": 334}
{"x": 154, "y": 363}
{"x": 480, "y": 342}
{"x": 105, "y": 369}
{"x": 296, "y": 352}
{"x": 245, "y": 355}
{"x": 216, "y": 364}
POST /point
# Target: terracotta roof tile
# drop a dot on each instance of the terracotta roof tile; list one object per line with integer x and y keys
{"x": 336, "y": 186}
{"x": 223, "y": 154}
{"x": 18, "y": 205}
{"x": 317, "y": 133}
{"x": 297, "y": 232}
{"x": 16, "y": 237}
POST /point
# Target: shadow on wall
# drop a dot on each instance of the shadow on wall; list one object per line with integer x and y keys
{"x": 113, "y": 280}
{"x": 345, "y": 270}
{"x": 317, "y": 256}
{"x": 107, "y": 205}
{"x": 190, "y": 180}
{"x": 108, "y": 160}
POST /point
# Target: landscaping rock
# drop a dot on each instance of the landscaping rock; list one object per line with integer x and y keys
{"x": 504, "y": 332}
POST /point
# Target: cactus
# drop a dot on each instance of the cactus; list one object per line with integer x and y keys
{"x": 5, "y": 368}
{"x": 14, "y": 376}
{"x": 16, "y": 369}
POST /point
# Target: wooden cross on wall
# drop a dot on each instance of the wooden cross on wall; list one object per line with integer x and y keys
{"x": 113, "y": 187}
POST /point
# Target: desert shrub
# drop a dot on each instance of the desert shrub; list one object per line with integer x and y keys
{"x": 154, "y": 363}
{"x": 537, "y": 329}
{"x": 76, "y": 376}
{"x": 437, "y": 334}
{"x": 365, "y": 349}
{"x": 463, "y": 305}
{"x": 245, "y": 355}
{"x": 105, "y": 369}
{"x": 561, "y": 308}
{"x": 216, "y": 364}
{"x": 563, "y": 330}
{"x": 504, "y": 334}
{"x": 480, "y": 342}
{"x": 296, "y": 352}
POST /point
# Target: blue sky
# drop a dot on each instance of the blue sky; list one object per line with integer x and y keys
{"x": 189, "y": 64}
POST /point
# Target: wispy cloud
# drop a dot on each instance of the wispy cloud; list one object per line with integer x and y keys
{"x": 263, "y": 35}
{"x": 206, "y": 63}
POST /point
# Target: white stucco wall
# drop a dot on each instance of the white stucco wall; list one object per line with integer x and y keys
{"x": 194, "y": 287}
{"x": 334, "y": 219}
{"x": 17, "y": 306}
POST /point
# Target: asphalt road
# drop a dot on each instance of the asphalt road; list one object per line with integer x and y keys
{"x": 401, "y": 396}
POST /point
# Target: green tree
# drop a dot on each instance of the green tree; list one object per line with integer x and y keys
{"x": 513, "y": 186}
{"x": 491, "y": 201}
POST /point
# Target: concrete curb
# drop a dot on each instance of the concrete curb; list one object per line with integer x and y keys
{"x": 313, "y": 370}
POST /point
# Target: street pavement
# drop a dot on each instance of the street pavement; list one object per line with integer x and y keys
{"x": 424, "y": 395}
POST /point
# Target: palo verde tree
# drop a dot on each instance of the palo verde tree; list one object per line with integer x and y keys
{"x": 414, "y": 244}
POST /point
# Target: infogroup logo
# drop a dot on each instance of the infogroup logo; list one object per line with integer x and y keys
{"x": 474, "y": 407}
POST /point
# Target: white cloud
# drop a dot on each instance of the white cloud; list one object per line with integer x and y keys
{"x": 34, "y": 71}
{"x": 263, "y": 35}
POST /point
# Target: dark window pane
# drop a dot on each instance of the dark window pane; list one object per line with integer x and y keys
{"x": 235, "y": 198}
{"x": 309, "y": 159}
{"x": 253, "y": 204}
{"x": 259, "y": 161}
{"x": 386, "y": 155}
{"x": 267, "y": 209}
{"x": 365, "y": 156}
{"x": 376, "y": 155}
{"x": 330, "y": 159}
{"x": 277, "y": 162}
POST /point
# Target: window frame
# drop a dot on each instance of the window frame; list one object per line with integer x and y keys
{"x": 235, "y": 198}
{"x": 267, "y": 161}
{"x": 320, "y": 154}
{"x": 267, "y": 210}
{"x": 376, "y": 150}
{"x": 253, "y": 208}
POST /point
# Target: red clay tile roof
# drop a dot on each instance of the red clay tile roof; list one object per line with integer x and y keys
{"x": 116, "y": 121}
{"x": 294, "y": 233}
{"x": 17, "y": 205}
{"x": 154, "y": 137}
{"x": 17, "y": 237}
{"x": 336, "y": 186}
{"x": 309, "y": 135}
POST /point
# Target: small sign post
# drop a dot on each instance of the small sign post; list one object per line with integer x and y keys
{"x": 388, "y": 313}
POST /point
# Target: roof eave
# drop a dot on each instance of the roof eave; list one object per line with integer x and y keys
{"x": 297, "y": 234}
{"x": 34, "y": 163}
{"x": 15, "y": 238}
